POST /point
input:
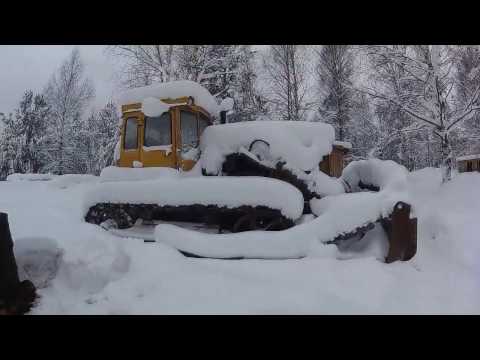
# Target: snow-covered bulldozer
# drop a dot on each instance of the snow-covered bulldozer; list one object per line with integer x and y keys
{"x": 192, "y": 166}
{"x": 162, "y": 133}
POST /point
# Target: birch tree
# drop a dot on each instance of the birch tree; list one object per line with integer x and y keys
{"x": 286, "y": 67}
{"x": 428, "y": 99}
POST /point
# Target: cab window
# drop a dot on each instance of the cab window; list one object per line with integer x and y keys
{"x": 188, "y": 125}
{"x": 158, "y": 130}
{"x": 131, "y": 138}
{"x": 203, "y": 122}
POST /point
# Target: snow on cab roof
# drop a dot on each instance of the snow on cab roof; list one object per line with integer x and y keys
{"x": 468, "y": 157}
{"x": 173, "y": 90}
{"x": 301, "y": 144}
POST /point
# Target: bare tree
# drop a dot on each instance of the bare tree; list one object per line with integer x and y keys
{"x": 145, "y": 64}
{"x": 428, "y": 98}
{"x": 286, "y": 69}
{"x": 213, "y": 66}
{"x": 334, "y": 71}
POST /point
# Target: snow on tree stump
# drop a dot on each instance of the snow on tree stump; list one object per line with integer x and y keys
{"x": 16, "y": 297}
{"x": 402, "y": 233}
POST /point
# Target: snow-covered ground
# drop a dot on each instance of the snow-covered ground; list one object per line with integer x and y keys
{"x": 99, "y": 273}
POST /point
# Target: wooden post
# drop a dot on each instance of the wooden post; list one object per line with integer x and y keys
{"x": 15, "y": 297}
{"x": 402, "y": 233}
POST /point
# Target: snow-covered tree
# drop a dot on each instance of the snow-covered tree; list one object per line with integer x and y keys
{"x": 467, "y": 81}
{"x": 100, "y": 133}
{"x": 334, "y": 69}
{"x": 32, "y": 117}
{"x": 427, "y": 96}
{"x": 8, "y": 145}
{"x": 363, "y": 129}
{"x": 249, "y": 102}
{"x": 67, "y": 94}
{"x": 286, "y": 67}
{"x": 23, "y": 134}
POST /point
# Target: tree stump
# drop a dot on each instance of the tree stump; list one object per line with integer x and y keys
{"x": 16, "y": 297}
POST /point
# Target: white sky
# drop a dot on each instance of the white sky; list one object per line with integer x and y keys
{"x": 30, "y": 67}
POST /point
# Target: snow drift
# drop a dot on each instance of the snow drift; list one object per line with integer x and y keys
{"x": 30, "y": 177}
{"x": 102, "y": 274}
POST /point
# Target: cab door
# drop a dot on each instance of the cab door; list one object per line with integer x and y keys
{"x": 130, "y": 140}
{"x": 188, "y": 140}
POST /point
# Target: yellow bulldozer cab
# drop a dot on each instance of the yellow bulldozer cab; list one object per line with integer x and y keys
{"x": 167, "y": 140}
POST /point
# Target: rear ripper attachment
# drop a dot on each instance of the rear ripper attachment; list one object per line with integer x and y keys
{"x": 401, "y": 232}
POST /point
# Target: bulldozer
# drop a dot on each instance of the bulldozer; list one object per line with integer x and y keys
{"x": 167, "y": 137}
{"x": 171, "y": 126}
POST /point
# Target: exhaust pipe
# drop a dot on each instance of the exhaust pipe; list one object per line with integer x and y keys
{"x": 223, "y": 117}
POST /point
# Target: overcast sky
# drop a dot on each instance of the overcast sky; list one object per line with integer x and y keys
{"x": 30, "y": 67}
{"x": 25, "y": 67}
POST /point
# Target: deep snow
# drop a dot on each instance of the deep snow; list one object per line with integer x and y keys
{"x": 99, "y": 273}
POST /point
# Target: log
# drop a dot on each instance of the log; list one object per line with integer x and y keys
{"x": 16, "y": 297}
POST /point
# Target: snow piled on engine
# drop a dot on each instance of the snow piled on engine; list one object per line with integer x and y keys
{"x": 173, "y": 90}
{"x": 221, "y": 191}
{"x": 302, "y": 145}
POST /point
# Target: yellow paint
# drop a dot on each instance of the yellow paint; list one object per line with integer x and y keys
{"x": 157, "y": 158}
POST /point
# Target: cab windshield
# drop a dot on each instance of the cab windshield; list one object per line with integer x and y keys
{"x": 158, "y": 130}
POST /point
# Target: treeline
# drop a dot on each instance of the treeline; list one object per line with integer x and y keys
{"x": 49, "y": 132}
{"x": 417, "y": 105}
